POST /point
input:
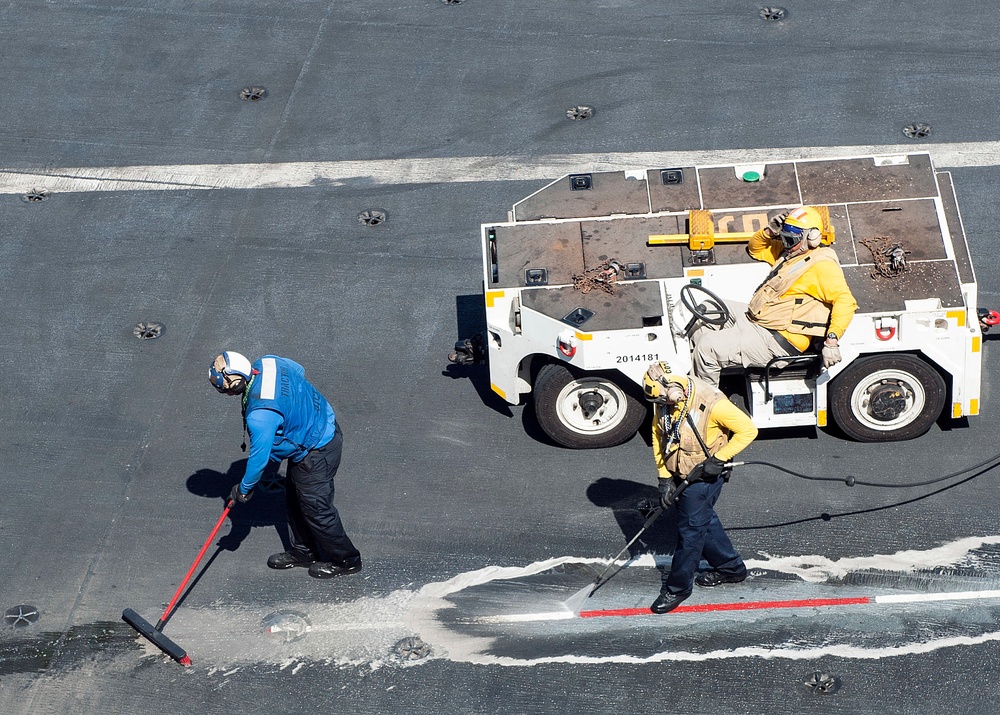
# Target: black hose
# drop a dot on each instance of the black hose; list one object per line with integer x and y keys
{"x": 852, "y": 481}
{"x": 870, "y": 510}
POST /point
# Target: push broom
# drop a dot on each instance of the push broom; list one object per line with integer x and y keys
{"x": 154, "y": 634}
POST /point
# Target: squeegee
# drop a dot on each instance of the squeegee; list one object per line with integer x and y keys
{"x": 154, "y": 634}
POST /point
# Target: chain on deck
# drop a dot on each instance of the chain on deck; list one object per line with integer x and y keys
{"x": 890, "y": 258}
{"x": 603, "y": 277}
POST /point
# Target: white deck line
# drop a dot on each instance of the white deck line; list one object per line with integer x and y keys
{"x": 186, "y": 177}
{"x": 928, "y": 597}
{"x": 528, "y": 617}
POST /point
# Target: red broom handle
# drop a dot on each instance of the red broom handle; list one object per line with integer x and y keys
{"x": 180, "y": 590}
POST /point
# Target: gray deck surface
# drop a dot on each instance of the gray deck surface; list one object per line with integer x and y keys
{"x": 117, "y": 454}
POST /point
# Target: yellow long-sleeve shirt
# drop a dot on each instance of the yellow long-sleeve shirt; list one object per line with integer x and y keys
{"x": 724, "y": 416}
{"x": 824, "y": 281}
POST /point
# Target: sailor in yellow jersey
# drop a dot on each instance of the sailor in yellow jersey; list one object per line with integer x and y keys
{"x": 804, "y": 298}
{"x": 696, "y": 430}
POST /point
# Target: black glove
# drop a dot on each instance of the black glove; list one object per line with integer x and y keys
{"x": 666, "y": 488}
{"x": 712, "y": 468}
{"x": 707, "y": 471}
{"x": 237, "y": 495}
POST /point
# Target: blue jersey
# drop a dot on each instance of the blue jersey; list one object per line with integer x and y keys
{"x": 285, "y": 415}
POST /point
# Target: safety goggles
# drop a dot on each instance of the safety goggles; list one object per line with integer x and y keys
{"x": 790, "y": 235}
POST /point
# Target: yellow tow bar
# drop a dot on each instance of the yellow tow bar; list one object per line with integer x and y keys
{"x": 701, "y": 234}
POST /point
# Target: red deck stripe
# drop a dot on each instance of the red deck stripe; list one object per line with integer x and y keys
{"x": 740, "y": 606}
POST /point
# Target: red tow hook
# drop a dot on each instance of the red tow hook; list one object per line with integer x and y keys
{"x": 988, "y": 318}
{"x": 566, "y": 344}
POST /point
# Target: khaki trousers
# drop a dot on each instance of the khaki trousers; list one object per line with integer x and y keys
{"x": 739, "y": 342}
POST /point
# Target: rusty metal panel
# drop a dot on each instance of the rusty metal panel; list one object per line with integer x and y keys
{"x": 959, "y": 243}
{"x": 634, "y": 305}
{"x": 839, "y": 181}
{"x": 556, "y": 247}
{"x": 926, "y": 279}
{"x": 625, "y": 240}
{"x": 914, "y": 224}
{"x": 721, "y": 188}
{"x": 675, "y": 196}
{"x": 609, "y": 193}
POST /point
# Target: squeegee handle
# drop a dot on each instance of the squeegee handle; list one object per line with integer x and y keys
{"x": 173, "y": 602}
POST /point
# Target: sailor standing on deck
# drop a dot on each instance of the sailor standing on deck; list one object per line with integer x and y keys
{"x": 696, "y": 430}
{"x": 287, "y": 418}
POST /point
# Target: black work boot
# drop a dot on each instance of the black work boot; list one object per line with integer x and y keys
{"x": 322, "y": 569}
{"x": 716, "y": 578}
{"x": 289, "y": 559}
{"x": 667, "y": 601}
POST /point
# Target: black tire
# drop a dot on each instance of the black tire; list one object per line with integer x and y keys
{"x": 887, "y": 398}
{"x": 586, "y": 410}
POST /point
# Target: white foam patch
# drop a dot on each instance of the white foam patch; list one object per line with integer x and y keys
{"x": 495, "y": 573}
{"x": 365, "y": 632}
{"x": 811, "y": 568}
{"x": 768, "y": 653}
{"x": 819, "y": 569}
{"x": 422, "y": 617}
{"x": 360, "y": 632}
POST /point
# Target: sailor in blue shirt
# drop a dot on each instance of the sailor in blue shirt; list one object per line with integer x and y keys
{"x": 287, "y": 418}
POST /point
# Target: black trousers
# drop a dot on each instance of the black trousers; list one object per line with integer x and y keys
{"x": 314, "y": 525}
{"x": 700, "y": 535}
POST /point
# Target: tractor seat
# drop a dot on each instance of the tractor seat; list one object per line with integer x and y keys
{"x": 792, "y": 367}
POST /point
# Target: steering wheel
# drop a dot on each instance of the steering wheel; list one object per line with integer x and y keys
{"x": 714, "y": 310}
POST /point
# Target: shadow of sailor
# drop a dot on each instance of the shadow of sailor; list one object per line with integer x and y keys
{"x": 625, "y": 497}
{"x": 265, "y": 509}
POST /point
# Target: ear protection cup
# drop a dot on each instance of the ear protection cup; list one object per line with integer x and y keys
{"x": 813, "y": 237}
{"x": 673, "y": 393}
{"x": 217, "y": 377}
{"x": 225, "y": 368}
